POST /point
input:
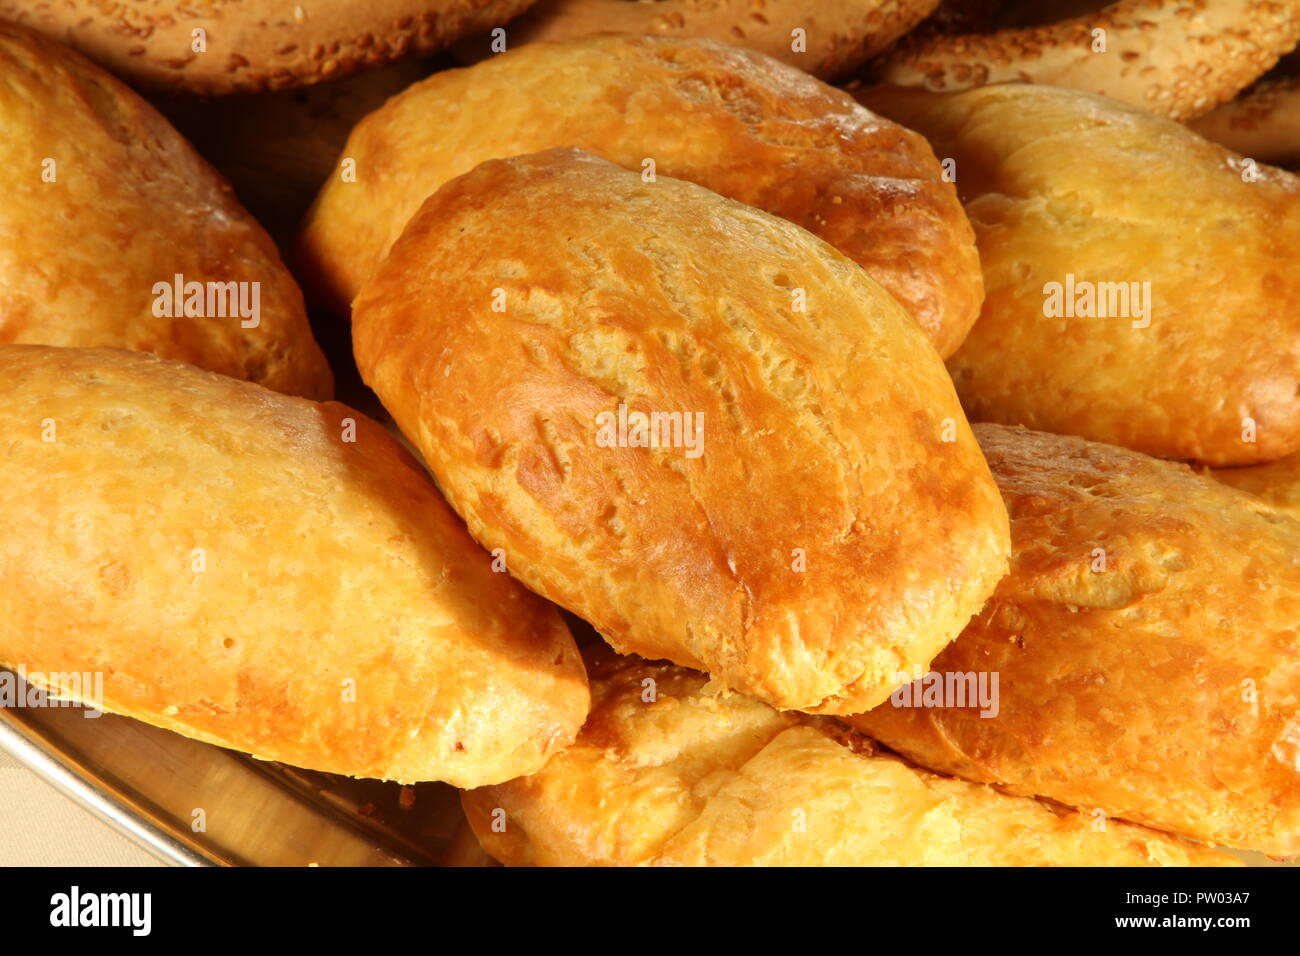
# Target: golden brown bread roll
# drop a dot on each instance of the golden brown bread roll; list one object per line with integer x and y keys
{"x": 263, "y": 573}
{"x": 1277, "y": 482}
{"x": 667, "y": 773}
{"x": 734, "y": 121}
{"x": 1140, "y": 281}
{"x": 105, "y": 206}
{"x": 816, "y": 517}
{"x": 834, "y": 37}
{"x": 1147, "y": 647}
{"x": 254, "y": 45}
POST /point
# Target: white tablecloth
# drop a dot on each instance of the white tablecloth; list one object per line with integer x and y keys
{"x": 41, "y": 827}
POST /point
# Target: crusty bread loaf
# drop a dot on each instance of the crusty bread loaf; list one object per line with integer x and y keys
{"x": 1076, "y": 197}
{"x": 826, "y": 523}
{"x": 254, "y": 45}
{"x": 103, "y": 202}
{"x": 736, "y": 122}
{"x": 264, "y": 573}
{"x": 1277, "y": 482}
{"x": 666, "y": 773}
{"x": 1147, "y": 643}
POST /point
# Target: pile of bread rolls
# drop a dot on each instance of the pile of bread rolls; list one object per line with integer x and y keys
{"x": 690, "y": 343}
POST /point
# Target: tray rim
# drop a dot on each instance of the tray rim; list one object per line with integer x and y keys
{"x": 36, "y": 753}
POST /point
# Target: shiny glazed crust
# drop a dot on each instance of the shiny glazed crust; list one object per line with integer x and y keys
{"x": 1059, "y": 183}
{"x": 1161, "y": 685}
{"x": 827, "y": 536}
{"x": 667, "y": 773}
{"x": 244, "y": 574}
{"x": 736, "y": 122}
{"x": 130, "y": 205}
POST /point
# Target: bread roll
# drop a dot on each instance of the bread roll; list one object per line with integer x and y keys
{"x": 1078, "y": 202}
{"x": 254, "y": 45}
{"x": 826, "y": 38}
{"x": 107, "y": 212}
{"x": 734, "y": 121}
{"x": 263, "y": 573}
{"x": 666, "y": 773}
{"x": 1147, "y": 647}
{"x": 1277, "y": 482}
{"x": 817, "y": 518}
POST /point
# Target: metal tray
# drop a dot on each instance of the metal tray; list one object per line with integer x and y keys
{"x": 148, "y": 782}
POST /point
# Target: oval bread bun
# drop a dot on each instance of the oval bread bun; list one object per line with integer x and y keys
{"x": 1147, "y": 647}
{"x": 832, "y": 524}
{"x": 666, "y": 773}
{"x": 1068, "y": 190}
{"x": 264, "y": 573}
{"x": 254, "y": 45}
{"x": 103, "y": 201}
{"x": 737, "y": 122}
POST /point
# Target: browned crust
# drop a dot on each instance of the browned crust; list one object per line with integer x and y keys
{"x": 820, "y": 399}
{"x": 668, "y": 772}
{"x": 1147, "y": 647}
{"x": 340, "y": 619}
{"x": 732, "y": 120}
{"x": 1060, "y": 183}
{"x": 131, "y": 204}
{"x": 254, "y": 45}
{"x": 1264, "y": 123}
{"x": 840, "y": 34}
{"x": 1178, "y": 58}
